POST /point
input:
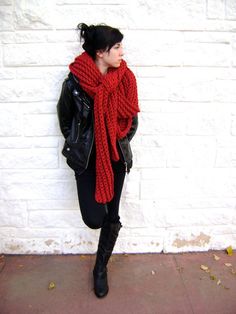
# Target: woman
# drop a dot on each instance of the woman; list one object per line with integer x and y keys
{"x": 97, "y": 112}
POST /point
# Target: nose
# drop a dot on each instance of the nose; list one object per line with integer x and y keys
{"x": 121, "y": 51}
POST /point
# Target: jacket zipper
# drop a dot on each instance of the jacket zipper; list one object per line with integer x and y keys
{"x": 90, "y": 152}
{"x": 78, "y": 132}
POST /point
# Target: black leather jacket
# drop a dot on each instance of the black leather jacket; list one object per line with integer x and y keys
{"x": 76, "y": 119}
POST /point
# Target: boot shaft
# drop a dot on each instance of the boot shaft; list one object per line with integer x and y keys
{"x": 107, "y": 239}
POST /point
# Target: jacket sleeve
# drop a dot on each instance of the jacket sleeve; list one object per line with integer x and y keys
{"x": 133, "y": 128}
{"x": 65, "y": 109}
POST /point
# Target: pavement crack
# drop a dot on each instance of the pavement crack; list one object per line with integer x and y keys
{"x": 180, "y": 271}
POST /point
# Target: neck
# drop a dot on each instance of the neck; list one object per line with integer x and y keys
{"x": 101, "y": 66}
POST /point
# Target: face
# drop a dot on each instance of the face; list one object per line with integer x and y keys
{"x": 113, "y": 57}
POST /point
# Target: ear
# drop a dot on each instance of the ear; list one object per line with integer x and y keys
{"x": 99, "y": 53}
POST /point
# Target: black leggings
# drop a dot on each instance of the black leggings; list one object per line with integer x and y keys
{"x": 94, "y": 213}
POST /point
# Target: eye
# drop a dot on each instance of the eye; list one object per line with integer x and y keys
{"x": 117, "y": 46}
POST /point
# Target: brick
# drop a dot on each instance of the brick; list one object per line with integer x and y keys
{"x": 223, "y": 241}
{"x": 187, "y": 239}
{"x": 162, "y": 123}
{"x": 55, "y": 219}
{"x": 28, "y": 158}
{"x": 166, "y": 50}
{"x": 27, "y": 175}
{"x": 52, "y": 205}
{"x": 15, "y": 91}
{"x": 41, "y": 107}
{"x": 26, "y": 142}
{"x": 13, "y": 214}
{"x": 233, "y": 125}
{"x": 131, "y": 187}
{"x": 6, "y": 18}
{"x": 38, "y": 36}
{"x": 191, "y": 151}
{"x": 207, "y": 54}
{"x": 207, "y": 36}
{"x": 6, "y": 2}
{"x": 208, "y": 125}
{"x": 80, "y": 241}
{"x": 150, "y": 89}
{"x": 132, "y": 214}
{"x": 31, "y": 246}
{"x": 225, "y": 91}
{"x": 10, "y": 120}
{"x": 33, "y": 15}
{"x": 216, "y": 9}
{"x": 148, "y": 240}
{"x": 199, "y": 217}
{"x": 225, "y": 157}
{"x": 41, "y": 125}
{"x": 230, "y": 7}
{"x": 39, "y": 54}
{"x": 71, "y": 15}
{"x": 151, "y": 158}
{"x": 169, "y": 15}
{"x": 6, "y": 74}
{"x": 43, "y": 189}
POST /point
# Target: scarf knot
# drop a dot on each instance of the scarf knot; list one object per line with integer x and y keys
{"x": 115, "y": 104}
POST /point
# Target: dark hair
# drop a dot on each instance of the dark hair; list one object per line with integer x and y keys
{"x": 98, "y": 37}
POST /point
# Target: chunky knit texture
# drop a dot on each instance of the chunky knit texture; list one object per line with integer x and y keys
{"x": 115, "y": 104}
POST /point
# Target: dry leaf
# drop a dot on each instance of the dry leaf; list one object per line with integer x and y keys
{"x": 229, "y": 250}
{"x": 228, "y": 264}
{"x": 51, "y": 285}
{"x": 180, "y": 269}
{"x": 218, "y": 282}
{"x": 216, "y": 257}
{"x": 153, "y": 272}
{"x": 205, "y": 268}
{"x": 233, "y": 272}
{"x": 213, "y": 277}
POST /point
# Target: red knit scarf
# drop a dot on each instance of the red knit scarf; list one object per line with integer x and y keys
{"x": 115, "y": 103}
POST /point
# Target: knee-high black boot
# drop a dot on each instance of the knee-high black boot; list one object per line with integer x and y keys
{"x": 108, "y": 235}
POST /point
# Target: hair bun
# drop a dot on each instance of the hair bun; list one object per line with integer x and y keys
{"x": 86, "y": 32}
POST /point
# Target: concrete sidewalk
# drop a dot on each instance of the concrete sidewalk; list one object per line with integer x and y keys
{"x": 139, "y": 284}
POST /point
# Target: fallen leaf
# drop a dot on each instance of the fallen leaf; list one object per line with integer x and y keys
{"x": 233, "y": 272}
{"x": 153, "y": 272}
{"x": 218, "y": 282}
{"x": 180, "y": 269}
{"x": 228, "y": 264}
{"x": 51, "y": 285}
{"x": 213, "y": 277}
{"x": 229, "y": 250}
{"x": 216, "y": 257}
{"x": 205, "y": 268}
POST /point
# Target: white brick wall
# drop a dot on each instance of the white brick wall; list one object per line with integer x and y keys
{"x": 181, "y": 193}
